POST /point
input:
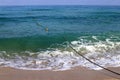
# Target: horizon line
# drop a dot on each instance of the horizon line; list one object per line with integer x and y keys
{"x": 61, "y": 5}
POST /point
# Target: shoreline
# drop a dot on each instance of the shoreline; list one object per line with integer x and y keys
{"x": 77, "y": 73}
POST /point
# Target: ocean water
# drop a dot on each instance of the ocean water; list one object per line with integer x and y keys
{"x": 32, "y": 37}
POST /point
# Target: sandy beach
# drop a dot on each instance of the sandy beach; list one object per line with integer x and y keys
{"x": 78, "y": 73}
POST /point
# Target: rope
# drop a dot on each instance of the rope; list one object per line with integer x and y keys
{"x": 43, "y": 27}
{"x": 94, "y": 62}
{"x": 90, "y": 60}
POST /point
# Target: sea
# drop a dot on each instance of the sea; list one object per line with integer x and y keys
{"x": 39, "y": 37}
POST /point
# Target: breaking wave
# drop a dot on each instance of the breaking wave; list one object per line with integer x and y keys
{"x": 105, "y": 53}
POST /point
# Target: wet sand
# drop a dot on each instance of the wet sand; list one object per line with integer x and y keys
{"x": 78, "y": 73}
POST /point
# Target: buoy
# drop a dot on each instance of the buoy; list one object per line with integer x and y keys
{"x": 46, "y": 29}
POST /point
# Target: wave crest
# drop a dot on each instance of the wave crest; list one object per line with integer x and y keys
{"x": 105, "y": 53}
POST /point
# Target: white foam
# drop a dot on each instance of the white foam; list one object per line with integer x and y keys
{"x": 105, "y": 54}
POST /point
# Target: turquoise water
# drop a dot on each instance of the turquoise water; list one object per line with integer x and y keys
{"x": 23, "y": 29}
{"x": 19, "y": 29}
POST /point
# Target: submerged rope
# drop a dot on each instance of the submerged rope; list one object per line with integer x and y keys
{"x": 89, "y": 59}
{"x": 43, "y": 27}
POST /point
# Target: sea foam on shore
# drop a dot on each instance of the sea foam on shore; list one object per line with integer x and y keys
{"x": 105, "y": 54}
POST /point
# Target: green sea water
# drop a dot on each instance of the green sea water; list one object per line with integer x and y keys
{"x": 23, "y": 29}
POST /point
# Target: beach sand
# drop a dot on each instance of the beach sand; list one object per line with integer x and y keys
{"x": 78, "y": 73}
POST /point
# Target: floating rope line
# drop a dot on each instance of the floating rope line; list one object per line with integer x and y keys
{"x": 70, "y": 45}
{"x": 43, "y": 27}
